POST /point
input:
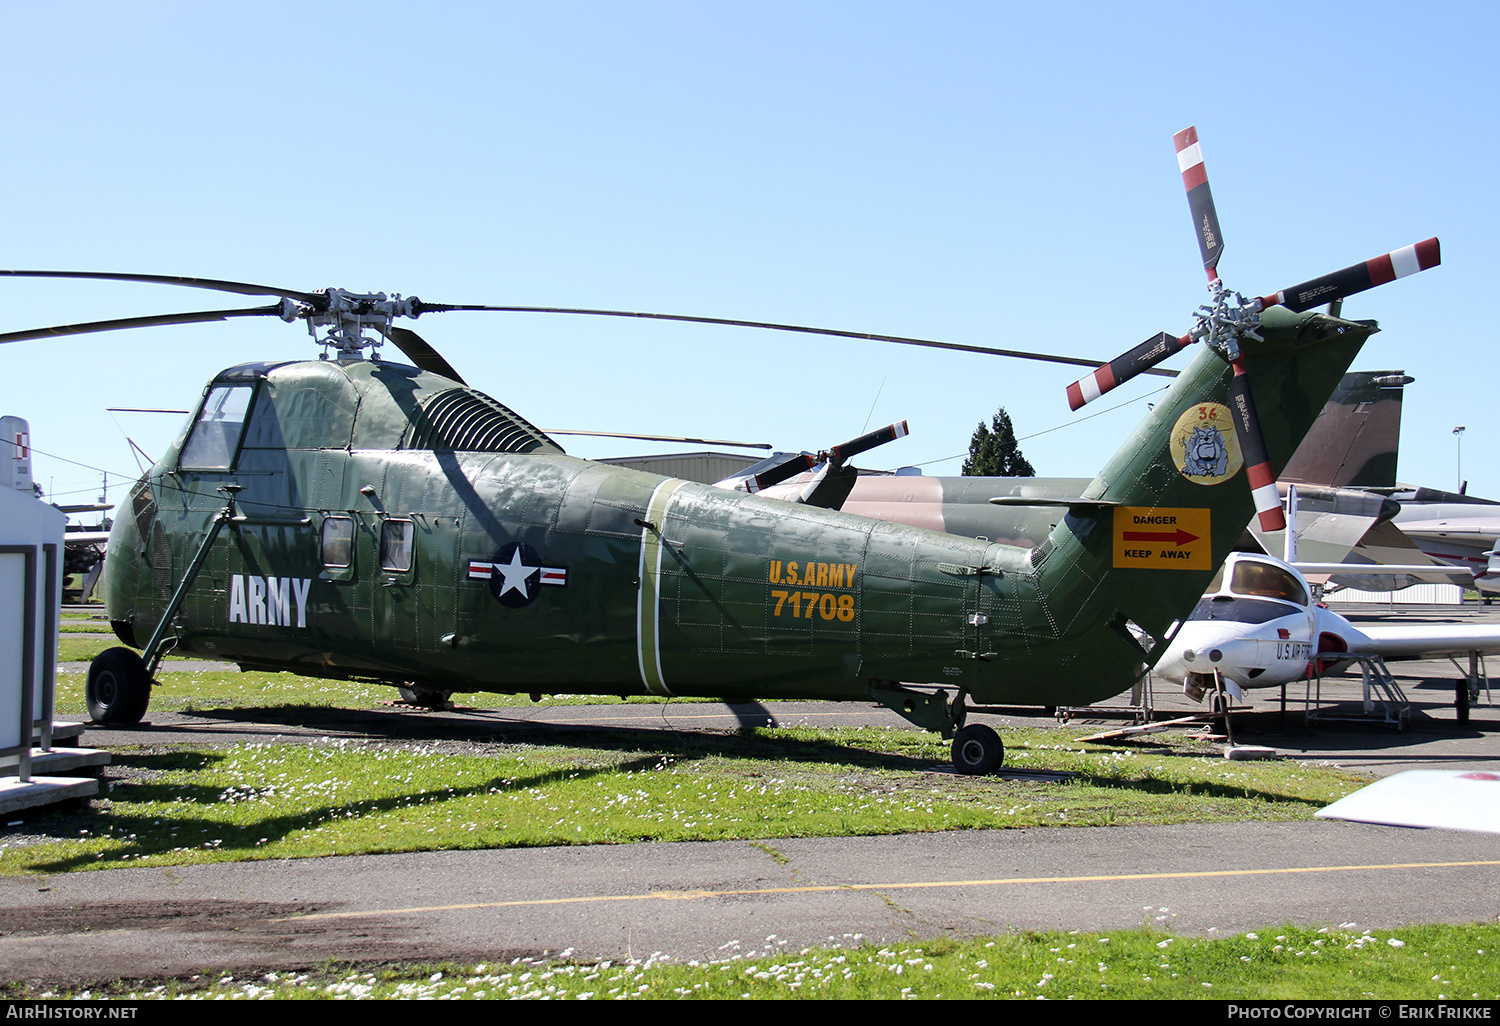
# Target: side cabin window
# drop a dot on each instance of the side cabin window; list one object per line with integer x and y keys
{"x": 338, "y": 541}
{"x": 215, "y": 437}
{"x": 396, "y": 538}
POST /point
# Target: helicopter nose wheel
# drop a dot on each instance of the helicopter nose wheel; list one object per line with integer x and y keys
{"x": 118, "y": 688}
{"x": 977, "y": 750}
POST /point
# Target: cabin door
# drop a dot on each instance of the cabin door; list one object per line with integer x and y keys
{"x": 416, "y": 561}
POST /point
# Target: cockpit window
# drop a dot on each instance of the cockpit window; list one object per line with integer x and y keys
{"x": 1215, "y": 584}
{"x": 216, "y": 434}
{"x": 1267, "y": 581}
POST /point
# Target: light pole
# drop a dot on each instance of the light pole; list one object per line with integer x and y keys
{"x": 1458, "y": 433}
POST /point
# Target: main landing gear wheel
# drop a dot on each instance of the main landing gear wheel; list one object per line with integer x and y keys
{"x": 977, "y": 750}
{"x": 118, "y": 689}
{"x": 424, "y": 697}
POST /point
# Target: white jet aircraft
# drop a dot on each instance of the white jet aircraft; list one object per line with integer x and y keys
{"x": 1257, "y": 626}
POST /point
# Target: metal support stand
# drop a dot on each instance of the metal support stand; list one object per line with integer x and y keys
{"x": 1224, "y": 707}
{"x": 1141, "y": 709}
{"x": 1383, "y": 699}
{"x": 1466, "y": 691}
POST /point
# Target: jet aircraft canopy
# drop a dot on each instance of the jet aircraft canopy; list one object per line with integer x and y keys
{"x": 1258, "y": 592}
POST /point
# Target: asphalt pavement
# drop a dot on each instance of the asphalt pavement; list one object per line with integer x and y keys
{"x": 712, "y": 899}
{"x": 709, "y": 900}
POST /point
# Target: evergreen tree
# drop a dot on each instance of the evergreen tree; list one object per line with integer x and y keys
{"x": 993, "y": 451}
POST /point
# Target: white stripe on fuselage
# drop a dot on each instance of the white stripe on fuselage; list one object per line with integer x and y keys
{"x": 648, "y": 595}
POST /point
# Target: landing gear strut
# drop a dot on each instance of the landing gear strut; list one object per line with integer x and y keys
{"x": 977, "y": 749}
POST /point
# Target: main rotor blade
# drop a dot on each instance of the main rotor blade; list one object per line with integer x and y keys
{"x": 1139, "y": 360}
{"x": 839, "y": 453}
{"x": 1358, "y": 277}
{"x": 662, "y": 438}
{"x": 830, "y": 487}
{"x": 420, "y": 353}
{"x": 152, "y": 321}
{"x": 779, "y": 472}
{"x": 425, "y": 307}
{"x": 1200, "y": 199}
{"x": 1253, "y": 449}
{"x": 214, "y": 284}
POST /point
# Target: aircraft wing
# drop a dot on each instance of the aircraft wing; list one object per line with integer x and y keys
{"x": 1430, "y": 641}
{"x": 1477, "y": 530}
{"x": 1386, "y": 544}
{"x": 1330, "y": 522}
{"x": 86, "y": 538}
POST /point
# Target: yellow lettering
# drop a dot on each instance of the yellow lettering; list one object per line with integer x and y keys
{"x": 791, "y": 572}
{"x": 824, "y": 603}
{"x": 775, "y": 571}
{"x": 836, "y": 575}
{"x": 820, "y": 579}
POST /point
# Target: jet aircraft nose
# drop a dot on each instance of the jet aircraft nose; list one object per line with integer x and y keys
{"x": 1224, "y": 653}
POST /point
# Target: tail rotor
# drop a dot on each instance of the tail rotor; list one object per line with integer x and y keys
{"x": 1230, "y": 318}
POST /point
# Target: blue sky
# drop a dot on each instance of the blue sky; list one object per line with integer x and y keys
{"x": 985, "y": 173}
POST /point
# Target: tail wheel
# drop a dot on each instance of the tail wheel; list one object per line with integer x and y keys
{"x": 118, "y": 689}
{"x": 977, "y": 750}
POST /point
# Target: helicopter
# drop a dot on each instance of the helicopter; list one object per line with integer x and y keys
{"x": 360, "y": 519}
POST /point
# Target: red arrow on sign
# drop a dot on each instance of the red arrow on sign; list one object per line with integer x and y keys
{"x": 1178, "y": 537}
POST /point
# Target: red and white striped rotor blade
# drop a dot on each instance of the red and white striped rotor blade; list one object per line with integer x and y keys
{"x": 1121, "y": 369}
{"x": 839, "y": 453}
{"x": 1200, "y": 199}
{"x": 793, "y": 465}
{"x": 1358, "y": 277}
{"x": 1253, "y": 448}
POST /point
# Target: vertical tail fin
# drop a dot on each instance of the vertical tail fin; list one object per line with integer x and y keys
{"x": 1173, "y": 501}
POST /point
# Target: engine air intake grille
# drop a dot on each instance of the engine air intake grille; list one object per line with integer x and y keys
{"x": 463, "y": 420}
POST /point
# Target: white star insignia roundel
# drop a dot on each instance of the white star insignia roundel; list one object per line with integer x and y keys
{"x": 515, "y": 574}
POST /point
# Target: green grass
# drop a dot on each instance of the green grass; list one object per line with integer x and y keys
{"x": 183, "y": 691}
{"x": 607, "y": 787}
{"x": 1285, "y": 963}
{"x": 81, "y": 650}
{"x": 85, "y": 625}
{"x": 198, "y": 690}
